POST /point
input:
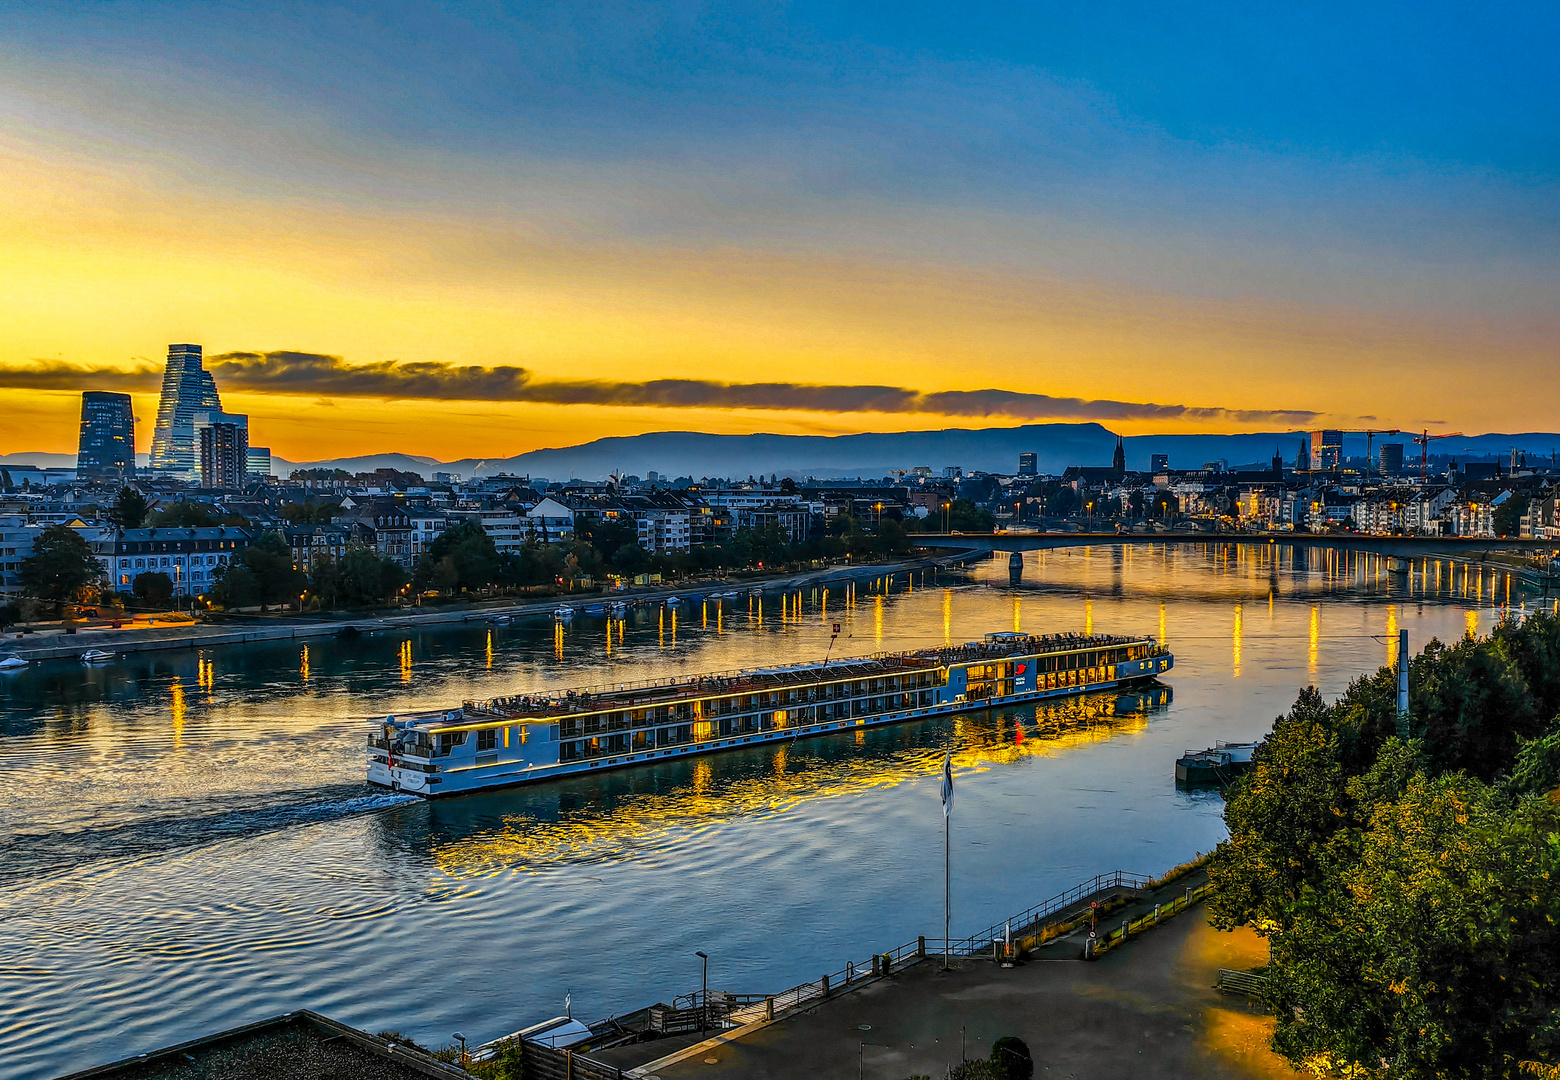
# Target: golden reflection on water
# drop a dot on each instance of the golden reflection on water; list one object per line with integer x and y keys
{"x": 490, "y": 650}
{"x": 303, "y": 660}
{"x": 406, "y": 660}
{"x": 1472, "y": 619}
{"x": 205, "y": 674}
{"x": 1088, "y": 617}
{"x": 1235, "y": 636}
{"x": 877, "y": 620}
{"x": 1314, "y": 640}
{"x": 1018, "y": 622}
{"x": 947, "y": 613}
{"x": 1392, "y": 635}
{"x": 1164, "y": 637}
{"x": 558, "y": 640}
{"x": 176, "y": 709}
{"x": 596, "y": 831}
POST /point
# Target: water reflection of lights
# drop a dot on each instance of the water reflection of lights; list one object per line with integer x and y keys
{"x": 205, "y": 673}
{"x": 1235, "y": 636}
{"x": 558, "y": 640}
{"x": 1472, "y": 619}
{"x": 1315, "y": 638}
{"x": 947, "y": 614}
{"x": 177, "y": 709}
{"x": 593, "y": 830}
{"x": 303, "y": 663}
{"x": 490, "y": 650}
{"x": 406, "y": 660}
{"x": 1392, "y": 636}
{"x": 877, "y": 620}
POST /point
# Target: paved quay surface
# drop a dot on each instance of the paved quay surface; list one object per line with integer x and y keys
{"x": 1145, "y": 1010}
{"x": 227, "y": 630}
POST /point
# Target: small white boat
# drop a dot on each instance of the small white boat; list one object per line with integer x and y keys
{"x": 96, "y": 656}
{"x": 672, "y": 601}
{"x": 12, "y": 663}
{"x": 500, "y": 620}
{"x": 563, "y": 613}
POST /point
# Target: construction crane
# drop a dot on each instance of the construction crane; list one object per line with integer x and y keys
{"x": 1424, "y": 439}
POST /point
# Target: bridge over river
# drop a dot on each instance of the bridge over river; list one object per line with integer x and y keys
{"x": 1407, "y": 547}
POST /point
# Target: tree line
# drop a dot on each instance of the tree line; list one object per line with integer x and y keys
{"x": 1408, "y": 881}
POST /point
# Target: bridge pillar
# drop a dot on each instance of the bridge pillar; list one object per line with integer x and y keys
{"x": 1016, "y": 566}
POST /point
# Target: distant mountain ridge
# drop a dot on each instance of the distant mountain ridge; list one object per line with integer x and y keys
{"x": 876, "y": 454}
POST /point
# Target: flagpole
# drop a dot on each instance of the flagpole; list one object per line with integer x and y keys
{"x": 947, "y": 863}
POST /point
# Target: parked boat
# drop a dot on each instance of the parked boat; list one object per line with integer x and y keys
{"x": 1219, "y": 764}
{"x": 12, "y": 663}
{"x": 672, "y": 601}
{"x": 563, "y": 613}
{"x": 96, "y": 656}
{"x": 517, "y": 740}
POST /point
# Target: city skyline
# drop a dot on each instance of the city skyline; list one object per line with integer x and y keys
{"x": 679, "y": 219}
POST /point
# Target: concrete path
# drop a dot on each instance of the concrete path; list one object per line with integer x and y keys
{"x": 1146, "y": 1010}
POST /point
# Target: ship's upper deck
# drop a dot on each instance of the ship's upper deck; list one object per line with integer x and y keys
{"x": 543, "y": 706}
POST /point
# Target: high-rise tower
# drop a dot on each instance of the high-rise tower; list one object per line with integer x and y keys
{"x": 187, "y": 388}
{"x": 107, "y": 447}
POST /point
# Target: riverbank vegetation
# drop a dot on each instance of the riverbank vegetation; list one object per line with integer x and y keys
{"x": 1407, "y": 876}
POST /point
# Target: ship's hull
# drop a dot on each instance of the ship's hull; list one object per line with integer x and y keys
{"x": 464, "y": 780}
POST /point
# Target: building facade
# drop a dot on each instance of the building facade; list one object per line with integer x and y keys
{"x": 107, "y": 447}
{"x": 224, "y": 450}
{"x": 191, "y": 558}
{"x": 187, "y": 388}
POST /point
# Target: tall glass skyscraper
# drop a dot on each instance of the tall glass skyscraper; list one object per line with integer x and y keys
{"x": 107, "y": 447}
{"x": 187, "y": 388}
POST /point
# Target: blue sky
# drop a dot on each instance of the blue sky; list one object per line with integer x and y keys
{"x": 1372, "y": 185}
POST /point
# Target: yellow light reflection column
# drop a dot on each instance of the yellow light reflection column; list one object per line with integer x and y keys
{"x": 1017, "y": 620}
{"x": 1472, "y": 618}
{"x": 877, "y": 620}
{"x": 558, "y": 640}
{"x": 406, "y": 660}
{"x": 1392, "y": 636}
{"x": 176, "y": 709}
{"x": 490, "y": 650}
{"x": 1163, "y": 635}
{"x": 1235, "y": 636}
{"x": 303, "y": 663}
{"x": 947, "y": 616}
{"x": 1088, "y": 617}
{"x": 1315, "y": 640}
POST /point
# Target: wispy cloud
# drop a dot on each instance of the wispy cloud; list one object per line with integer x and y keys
{"x": 324, "y": 376}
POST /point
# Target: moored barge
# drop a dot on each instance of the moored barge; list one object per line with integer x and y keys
{"x": 526, "y": 738}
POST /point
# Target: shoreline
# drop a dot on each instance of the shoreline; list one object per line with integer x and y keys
{"x": 57, "y": 645}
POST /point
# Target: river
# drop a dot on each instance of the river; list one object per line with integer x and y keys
{"x": 189, "y": 844}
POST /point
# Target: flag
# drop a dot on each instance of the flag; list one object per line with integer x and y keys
{"x": 568, "y": 999}
{"x": 947, "y": 785}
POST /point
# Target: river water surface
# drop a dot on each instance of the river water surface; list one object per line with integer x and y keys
{"x": 188, "y": 843}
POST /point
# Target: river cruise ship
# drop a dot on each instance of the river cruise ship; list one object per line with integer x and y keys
{"x": 533, "y": 737}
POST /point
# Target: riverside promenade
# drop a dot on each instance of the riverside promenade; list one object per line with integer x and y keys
{"x": 1146, "y": 1009}
{"x": 185, "y": 633}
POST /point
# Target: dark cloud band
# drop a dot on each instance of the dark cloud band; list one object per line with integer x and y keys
{"x": 320, "y": 375}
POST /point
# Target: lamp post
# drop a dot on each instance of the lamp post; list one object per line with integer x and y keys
{"x": 946, "y": 505}
{"x": 462, "y": 1040}
{"x": 704, "y": 994}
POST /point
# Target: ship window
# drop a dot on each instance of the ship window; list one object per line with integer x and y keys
{"x": 487, "y": 739}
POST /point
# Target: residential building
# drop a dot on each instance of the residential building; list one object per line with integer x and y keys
{"x": 391, "y": 528}
{"x": 314, "y": 544}
{"x": 1389, "y": 459}
{"x": 16, "y": 546}
{"x": 224, "y": 449}
{"x": 187, "y": 388}
{"x": 107, "y": 447}
{"x": 190, "y": 557}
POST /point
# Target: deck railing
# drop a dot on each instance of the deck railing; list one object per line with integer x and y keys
{"x": 735, "y": 1010}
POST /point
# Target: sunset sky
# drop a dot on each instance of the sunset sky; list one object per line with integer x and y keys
{"x": 474, "y": 230}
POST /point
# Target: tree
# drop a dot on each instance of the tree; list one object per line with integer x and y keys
{"x": 153, "y": 589}
{"x": 965, "y": 516}
{"x": 1410, "y": 889}
{"x": 130, "y": 509}
{"x": 310, "y": 513}
{"x": 361, "y": 576}
{"x": 319, "y": 474}
{"x": 1011, "y": 1060}
{"x": 193, "y": 515}
{"x": 262, "y": 573}
{"x": 473, "y": 561}
{"x": 1165, "y": 506}
{"x": 61, "y": 565}
{"x": 1508, "y": 515}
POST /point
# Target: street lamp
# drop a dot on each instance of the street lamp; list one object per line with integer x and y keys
{"x": 704, "y": 994}
{"x": 946, "y": 505}
{"x": 462, "y": 1039}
